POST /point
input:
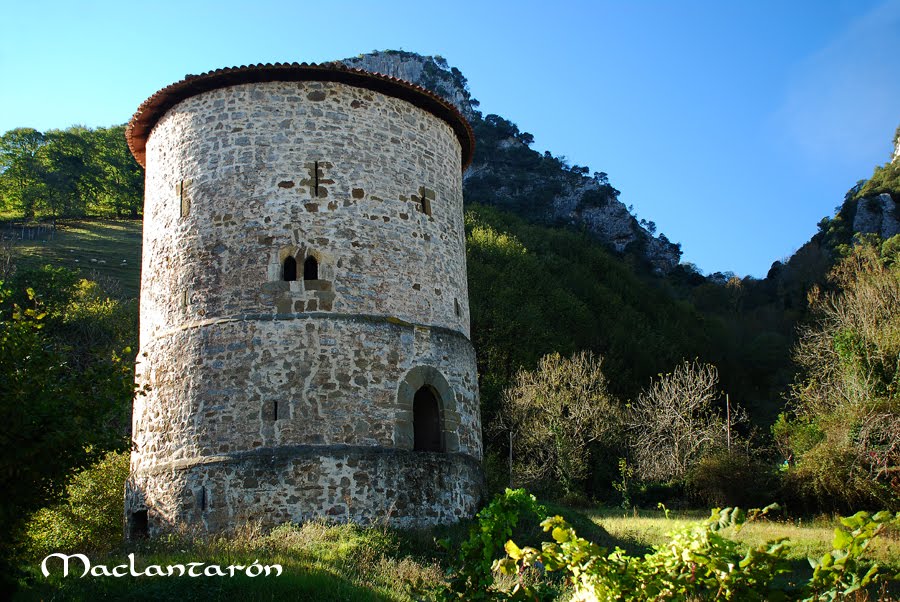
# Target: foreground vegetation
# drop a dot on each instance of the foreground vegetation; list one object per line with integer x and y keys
{"x": 652, "y": 557}
{"x": 106, "y": 251}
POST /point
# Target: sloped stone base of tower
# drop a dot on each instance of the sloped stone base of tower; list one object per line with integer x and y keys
{"x": 294, "y": 484}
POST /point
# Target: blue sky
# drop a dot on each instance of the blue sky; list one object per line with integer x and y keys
{"x": 735, "y": 126}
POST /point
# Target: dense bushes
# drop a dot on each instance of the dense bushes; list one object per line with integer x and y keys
{"x": 90, "y": 515}
{"x": 737, "y": 477}
{"x": 67, "y": 372}
{"x": 843, "y": 436}
{"x": 885, "y": 179}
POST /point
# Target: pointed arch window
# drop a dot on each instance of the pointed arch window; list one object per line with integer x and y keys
{"x": 310, "y": 268}
{"x": 289, "y": 269}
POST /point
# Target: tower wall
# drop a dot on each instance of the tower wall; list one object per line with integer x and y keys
{"x": 268, "y": 400}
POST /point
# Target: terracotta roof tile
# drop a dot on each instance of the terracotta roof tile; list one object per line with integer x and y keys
{"x": 152, "y": 109}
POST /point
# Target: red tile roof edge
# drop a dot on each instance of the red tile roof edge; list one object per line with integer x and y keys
{"x": 152, "y": 109}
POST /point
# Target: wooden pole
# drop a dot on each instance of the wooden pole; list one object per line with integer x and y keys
{"x": 510, "y": 458}
{"x": 728, "y": 421}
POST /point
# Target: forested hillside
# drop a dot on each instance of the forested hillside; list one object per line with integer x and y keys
{"x": 69, "y": 173}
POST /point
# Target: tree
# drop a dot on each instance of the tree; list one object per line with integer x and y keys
{"x": 67, "y": 381}
{"x": 673, "y": 422}
{"x": 558, "y": 415}
{"x": 21, "y": 171}
{"x": 70, "y": 177}
{"x": 71, "y": 172}
{"x": 121, "y": 181}
{"x": 844, "y": 435}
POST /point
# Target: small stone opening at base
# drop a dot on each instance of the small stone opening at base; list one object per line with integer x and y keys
{"x": 426, "y": 421}
{"x": 138, "y": 525}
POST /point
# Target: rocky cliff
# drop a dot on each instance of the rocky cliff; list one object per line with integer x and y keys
{"x": 508, "y": 173}
{"x": 877, "y": 215}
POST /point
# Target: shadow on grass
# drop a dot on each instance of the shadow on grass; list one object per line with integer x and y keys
{"x": 295, "y": 583}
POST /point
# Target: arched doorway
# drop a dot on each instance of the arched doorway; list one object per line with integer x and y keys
{"x": 426, "y": 421}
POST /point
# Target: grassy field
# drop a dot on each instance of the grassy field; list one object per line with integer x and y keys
{"x": 109, "y": 250}
{"x": 320, "y": 562}
{"x": 639, "y": 530}
{"x": 346, "y": 562}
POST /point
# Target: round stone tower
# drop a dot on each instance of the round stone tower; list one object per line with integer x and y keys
{"x": 304, "y": 325}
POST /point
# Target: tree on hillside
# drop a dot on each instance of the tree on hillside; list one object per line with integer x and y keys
{"x": 121, "y": 179}
{"x": 673, "y": 422}
{"x": 69, "y": 173}
{"x": 70, "y": 179}
{"x": 558, "y": 416}
{"x": 844, "y": 436}
{"x": 21, "y": 172}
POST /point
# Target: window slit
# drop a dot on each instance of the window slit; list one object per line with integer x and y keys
{"x": 289, "y": 269}
{"x": 316, "y": 178}
{"x": 310, "y": 269}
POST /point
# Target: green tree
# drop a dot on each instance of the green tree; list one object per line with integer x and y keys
{"x": 66, "y": 391}
{"x": 559, "y": 415}
{"x": 70, "y": 176}
{"x": 69, "y": 173}
{"x": 22, "y": 173}
{"x": 844, "y": 434}
{"x": 121, "y": 179}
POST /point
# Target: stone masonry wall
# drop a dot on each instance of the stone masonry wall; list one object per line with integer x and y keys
{"x": 268, "y": 400}
{"x": 305, "y": 380}
{"x": 295, "y": 484}
{"x": 243, "y": 159}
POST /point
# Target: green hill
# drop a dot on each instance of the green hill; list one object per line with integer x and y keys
{"x": 105, "y": 250}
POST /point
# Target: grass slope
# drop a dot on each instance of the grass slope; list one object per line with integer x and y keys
{"x": 320, "y": 562}
{"x": 108, "y": 250}
{"x": 640, "y": 529}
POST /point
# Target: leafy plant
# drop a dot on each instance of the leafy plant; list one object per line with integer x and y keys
{"x": 90, "y": 515}
{"x": 843, "y": 571}
{"x": 473, "y": 578}
{"x": 698, "y": 562}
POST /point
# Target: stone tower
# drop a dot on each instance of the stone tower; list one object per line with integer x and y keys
{"x": 304, "y": 325}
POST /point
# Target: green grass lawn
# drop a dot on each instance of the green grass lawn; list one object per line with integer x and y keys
{"x": 108, "y": 250}
{"x": 809, "y": 538}
{"x": 320, "y": 562}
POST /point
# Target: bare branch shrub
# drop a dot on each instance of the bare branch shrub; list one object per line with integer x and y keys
{"x": 673, "y": 422}
{"x": 849, "y": 389}
{"x": 556, "y": 413}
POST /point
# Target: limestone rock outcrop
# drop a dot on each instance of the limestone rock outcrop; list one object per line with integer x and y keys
{"x": 555, "y": 195}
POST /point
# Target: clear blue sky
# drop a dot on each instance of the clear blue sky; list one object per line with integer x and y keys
{"x": 735, "y": 126}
